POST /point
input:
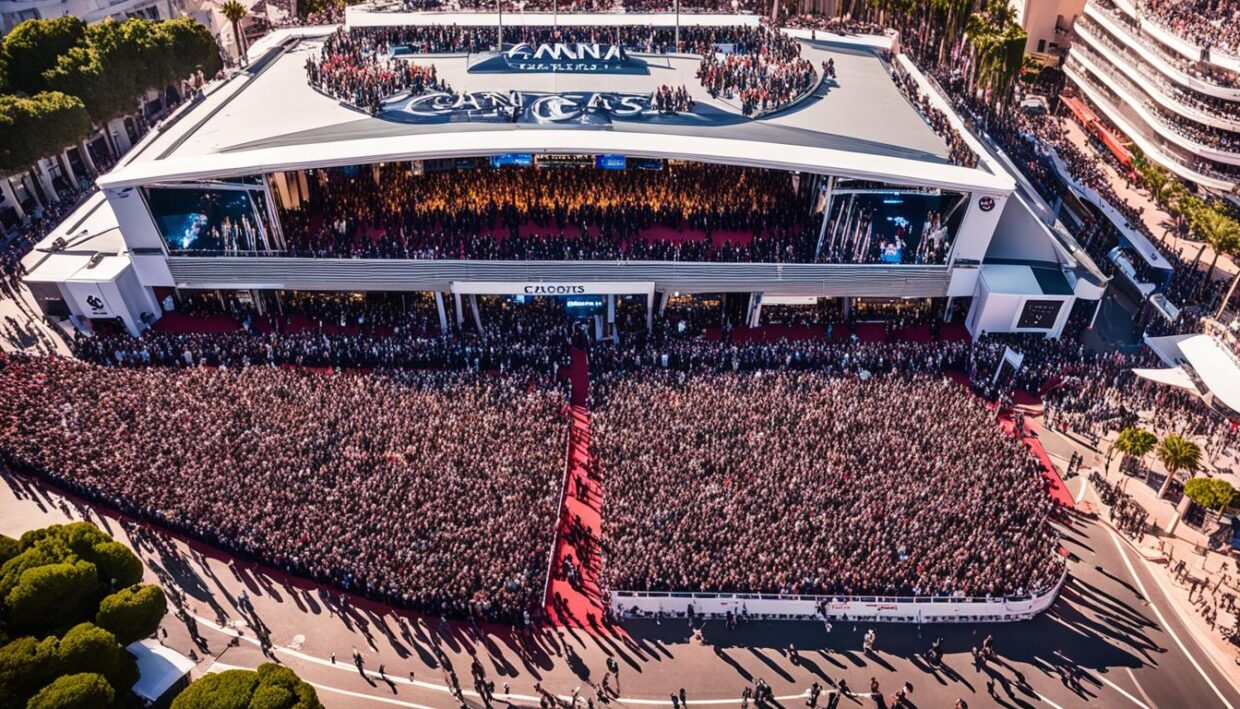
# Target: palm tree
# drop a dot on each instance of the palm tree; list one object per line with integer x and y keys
{"x": 1135, "y": 442}
{"x": 235, "y": 12}
{"x": 1221, "y": 232}
{"x": 1177, "y": 453}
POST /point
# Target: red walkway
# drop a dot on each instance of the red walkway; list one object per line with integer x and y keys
{"x": 1055, "y": 486}
{"x": 580, "y": 510}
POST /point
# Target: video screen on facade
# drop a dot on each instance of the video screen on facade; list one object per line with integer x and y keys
{"x": 206, "y": 221}
{"x": 1039, "y": 314}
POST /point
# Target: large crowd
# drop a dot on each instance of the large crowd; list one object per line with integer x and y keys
{"x": 430, "y": 490}
{"x": 816, "y": 484}
{"x": 1210, "y": 24}
{"x": 354, "y": 69}
{"x": 555, "y": 213}
{"x": 764, "y": 73}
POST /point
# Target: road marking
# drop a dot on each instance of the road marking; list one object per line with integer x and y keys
{"x": 1166, "y": 626}
{"x": 1133, "y": 676}
{"x": 349, "y": 667}
{"x": 1081, "y": 495}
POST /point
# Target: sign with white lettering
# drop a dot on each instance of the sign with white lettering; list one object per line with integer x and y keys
{"x": 558, "y": 288}
{"x": 561, "y": 57}
{"x": 570, "y": 108}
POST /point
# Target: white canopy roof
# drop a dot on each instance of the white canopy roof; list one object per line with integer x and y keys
{"x": 1216, "y": 366}
{"x": 1175, "y": 377}
{"x": 159, "y": 668}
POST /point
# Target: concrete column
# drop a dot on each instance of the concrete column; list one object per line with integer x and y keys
{"x": 473, "y": 305}
{"x": 40, "y": 171}
{"x": 662, "y": 302}
{"x": 650, "y": 312}
{"x": 755, "y": 309}
{"x": 84, "y": 150}
{"x": 826, "y": 215}
{"x": 70, "y": 176}
{"x": 443, "y": 314}
{"x": 460, "y": 311}
{"x": 10, "y": 197}
{"x": 1093, "y": 318}
{"x": 947, "y": 314}
{"x": 847, "y": 308}
{"x": 611, "y": 309}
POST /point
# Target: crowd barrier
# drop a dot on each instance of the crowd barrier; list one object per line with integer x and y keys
{"x": 867, "y": 609}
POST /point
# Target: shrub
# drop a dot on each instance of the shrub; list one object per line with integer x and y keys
{"x": 51, "y": 595}
{"x": 132, "y": 613}
{"x": 270, "y": 687}
{"x": 89, "y": 648}
{"x": 85, "y": 690}
{"x": 9, "y": 548}
{"x": 118, "y": 567}
{"x": 26, "y": 665}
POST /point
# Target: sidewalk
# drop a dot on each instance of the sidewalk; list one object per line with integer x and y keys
{"x": 1217, "y": 571}
{"x": 1158, "y": 221}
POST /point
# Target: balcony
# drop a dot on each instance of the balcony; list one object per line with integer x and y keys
{"x": 1147, "y": 110}
{"x": 1167, "y": 93}
{"x": 412, "y": 275}
{"x": 1186, "y": 167}
{"x": 1178, "y": 68}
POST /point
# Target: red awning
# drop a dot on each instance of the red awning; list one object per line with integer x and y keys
{"x": 1117, "y": 148}
{"x": 1080, "y": 110}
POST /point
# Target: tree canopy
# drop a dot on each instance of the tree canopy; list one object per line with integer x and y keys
{"x": 35, "y": 127}
{"x": 35, "y": 46}
{"x": 1210, "y": 493}
{"x": 270, "y": 686}
{"x": 53, "y": 582}
{"x": 55, "y": 73}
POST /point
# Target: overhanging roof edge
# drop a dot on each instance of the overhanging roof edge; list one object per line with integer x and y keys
{"x": 444, "y": 145}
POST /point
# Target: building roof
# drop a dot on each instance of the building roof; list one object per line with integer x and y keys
{"x": 1205, "y": 356}
{"x": 1025, "y": 279}
{"x": 159, "y": 668}
{"x": 269, "y": 119}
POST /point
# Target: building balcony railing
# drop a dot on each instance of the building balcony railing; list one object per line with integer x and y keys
{"x": 1188, "y": 167}
{"x": 1171, "y": 95}
{"x": 1223, "y": 148}
{"x": 1185, "y": 71}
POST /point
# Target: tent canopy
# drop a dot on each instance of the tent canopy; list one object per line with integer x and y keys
{"x": 159, "y": 668}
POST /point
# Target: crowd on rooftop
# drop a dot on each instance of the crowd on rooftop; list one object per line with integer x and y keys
{"x": 353, "y": 69}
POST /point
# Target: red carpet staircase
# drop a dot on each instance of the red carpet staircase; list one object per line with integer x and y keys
{"x": 580, "y": 518}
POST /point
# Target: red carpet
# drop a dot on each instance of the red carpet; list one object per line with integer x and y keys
{"x": 581, "y": 507}
{"x": 182, "y": 323}
{"x": 1055, "y": 486}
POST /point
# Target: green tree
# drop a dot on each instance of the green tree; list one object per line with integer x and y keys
{"x": 85, "y": 690}
{"x": 9, "y": 548}
{"x": 35, "y": 127}
{"x": 188, "y": 47}
{"x": 35, "y": 46}
{"x": 234, "y": 12}
{"x": 1135, "y": 442}
{"x": 48, "y": 596}
{"x": 111, "y": 70}
{"x": 89, "y": 648}
{"x": 1210, "y": 493}
{"x": 1177, "y": 453}
{"x": 26, "y": 664}
{"x": 1221, "y": 232}
{"x": 270, "y": 687}
{"x": 132, "y": 613}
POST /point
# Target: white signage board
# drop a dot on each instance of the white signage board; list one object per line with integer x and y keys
{"x": 552, "y": 287}
{"x": 90, "y": 299}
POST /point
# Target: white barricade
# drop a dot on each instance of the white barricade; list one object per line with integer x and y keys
{"x": 921, "y": 609}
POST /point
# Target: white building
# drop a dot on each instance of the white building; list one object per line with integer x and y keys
{"x": 15, "y": 12}
{"x": 1175, "y": 101}
{"x": 257, "y": 140}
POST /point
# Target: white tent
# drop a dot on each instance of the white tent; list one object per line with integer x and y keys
{"x": 159, "y": 668}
